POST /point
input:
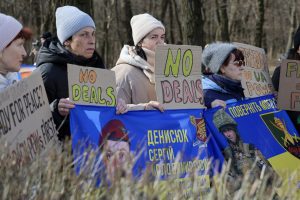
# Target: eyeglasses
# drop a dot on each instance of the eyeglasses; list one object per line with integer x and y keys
{"x": 239, "y": 63}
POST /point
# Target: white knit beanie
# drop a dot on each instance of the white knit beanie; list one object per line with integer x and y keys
{"x": 215, "y": 54}
{"x": 9, "y": 29}
{"x": 143, "y": 24}
{"x": 70, "y": 20}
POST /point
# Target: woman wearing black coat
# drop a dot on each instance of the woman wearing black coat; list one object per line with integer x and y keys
{"x": 75, "y": 45}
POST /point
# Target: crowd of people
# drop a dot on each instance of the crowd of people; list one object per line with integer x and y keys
{"x": 75, "y": 44}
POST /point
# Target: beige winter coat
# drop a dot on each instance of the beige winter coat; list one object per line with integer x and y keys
{"x": 135, "y": 76}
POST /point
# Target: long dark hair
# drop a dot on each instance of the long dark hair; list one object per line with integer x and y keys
{"x": 140, "y": 51}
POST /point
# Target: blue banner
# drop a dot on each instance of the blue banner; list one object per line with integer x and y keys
{"x": 255, "y": 134}
{"x": 171, "y": 144}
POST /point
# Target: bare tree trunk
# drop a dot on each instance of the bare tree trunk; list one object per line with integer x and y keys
{"x": 126, "y": 6}
{"x": 224, "y": 21}
{"x": 192, "y": 22}
{"x": 259, "y": 24}
{"x": 218, "y": 19}
{"x": 171, "y": 27}
{"x": 180, "y": 39}
{"x": 292, "y": 26}
{"x": 163, "y": 11}
{"x": 49, "y": 20}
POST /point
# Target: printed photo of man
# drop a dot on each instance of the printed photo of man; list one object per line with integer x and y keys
{"x": 244, "y": 156}
{"x": 115, "y": 148}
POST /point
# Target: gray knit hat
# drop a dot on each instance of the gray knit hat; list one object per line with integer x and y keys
{"x": 70, "y": 20}
{"x": 215, "y": 54}
{"x": 9, "y": 29}
{"x": 221, "y": 118}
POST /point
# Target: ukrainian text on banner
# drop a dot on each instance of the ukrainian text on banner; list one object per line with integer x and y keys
{"x": 172, "y": 144}
{"x": 256, "y": 128}
{"x": 26, "y": 123}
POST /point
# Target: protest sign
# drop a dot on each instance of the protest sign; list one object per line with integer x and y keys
{"x": 178, "y": 76}
{"x": 289, "y": 85}
{"x": 256, "y": 79}
{"x": 87, "y": 88}
{"x": 256, "y": 82}
{"x": 26, "y": 123}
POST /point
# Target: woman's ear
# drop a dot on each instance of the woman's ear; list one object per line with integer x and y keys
{"x": 67, "y": 43}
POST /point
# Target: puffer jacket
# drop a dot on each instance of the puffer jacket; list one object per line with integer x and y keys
{"x": 219, "y": 87}
{"x": 52, "y": 62}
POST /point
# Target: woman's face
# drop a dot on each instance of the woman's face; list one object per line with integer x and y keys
{"x": 234, "y": 69}
{"x": 154, "y": 38}
{"x": 12, "y": 56}
{"x": 82, "y": 42}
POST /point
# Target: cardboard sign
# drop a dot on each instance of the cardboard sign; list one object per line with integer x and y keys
{"x": 178, "y": 76}
{"x": 289, "y": 85}
{"x": 256, "y": 82}
{"x": 91, "y": 86}
{"x": 26, "y": 123}
{"x": 254, "y": 57}
{"x": 256, "y": 78}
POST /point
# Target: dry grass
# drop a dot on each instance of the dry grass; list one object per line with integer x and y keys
{"x": 54, "y": 178}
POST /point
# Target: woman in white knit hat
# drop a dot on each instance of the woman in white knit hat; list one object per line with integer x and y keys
{"x": 226, "y": 63}
{"x": 135, "y": 66}
{"x": 12, "y": 52}
{"x": 75, "y": 45}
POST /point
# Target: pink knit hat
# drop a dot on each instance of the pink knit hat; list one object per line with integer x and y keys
{"x": 143, "y": 24}
{"x": 9, "y": 29}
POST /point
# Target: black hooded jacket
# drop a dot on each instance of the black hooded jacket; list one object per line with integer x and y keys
{"x": 52, "y": 62}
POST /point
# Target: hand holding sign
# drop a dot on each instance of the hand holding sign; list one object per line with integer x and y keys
{"x": 64, "y": 106}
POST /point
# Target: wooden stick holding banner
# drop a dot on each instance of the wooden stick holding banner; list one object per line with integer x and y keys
{"x": 26, "y": 123}
{"x": 178, "y": 76}
{"x": 91, "y": 86}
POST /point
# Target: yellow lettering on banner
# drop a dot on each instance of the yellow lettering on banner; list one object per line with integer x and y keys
{"x": 178, "y": 136}
{"x": 179, "y": 168}
{"x": 156, "y": 137}
{"x": 166, "y": 154}
{"x": 161, "y": 137}
{"x": 173, "y": 139}
{"x": 150, "y": 138}
{"x": 244, "y": 109}
{"x": 185, "y": 137}
{"x": 268, "y": 104}
{"x": 172, "y": 66}
{"x": 167, "y": 136}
